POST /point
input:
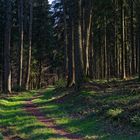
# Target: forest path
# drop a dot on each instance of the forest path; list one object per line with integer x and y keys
{"x": 34, "y": 110}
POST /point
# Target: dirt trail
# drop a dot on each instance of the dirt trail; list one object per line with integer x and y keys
{"x": 32, "y": 109}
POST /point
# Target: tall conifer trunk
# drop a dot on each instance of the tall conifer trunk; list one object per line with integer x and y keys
{"x": 21, "y": 43}
{"x": 123, "y": 39}
{"x": 66, "y": 39}
{"x": 78, "y": 45}
{"x": 7, "y": 44}
{"x": 30, "y": 46}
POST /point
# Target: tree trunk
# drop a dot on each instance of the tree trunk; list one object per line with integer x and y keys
{"x": 78, "y": 45}
{"x": 66, "y": 41}
{"x": 21, "y": 43}
{"x": 88, "y": 43}
{"x": 123, "y": 39}
{"x": 30, "y": 46}
{"x": 40, "y": 75}
{"x": 105, "y": 49}
{"x": 7, "y": 40}
{"x": 138, "y": 38}
{"x": 70, "y": 53}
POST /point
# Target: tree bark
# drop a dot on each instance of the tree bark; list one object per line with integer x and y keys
{"x": 21, "y": 43}
{"x": 123, "y": 39}
{"x": 66, "y": 40}
{"x": 7, "y": 40}
{"x": 71, "y": 77}
{"x": 88, "y": 42}
{"x": 105, "y": 49}
{"x": 30, "y": 47}
{"x": 78, "y": 46}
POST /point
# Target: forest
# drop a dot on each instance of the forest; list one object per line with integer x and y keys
{"x": 69, "y": 69}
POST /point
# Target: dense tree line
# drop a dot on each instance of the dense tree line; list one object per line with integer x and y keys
{"x": 25, "y": 40}
{"x": 78, "y": 40}
{"x": 101, "y": 38}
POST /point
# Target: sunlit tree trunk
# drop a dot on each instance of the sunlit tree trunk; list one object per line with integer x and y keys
{"x": 123, "y": 39}
{"x": 88, "y": 35}
{"x": 91, "y": 56}
{"x": 30, "y": 46}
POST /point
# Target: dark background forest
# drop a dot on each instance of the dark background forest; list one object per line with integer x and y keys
{"x": 76, "y": 41}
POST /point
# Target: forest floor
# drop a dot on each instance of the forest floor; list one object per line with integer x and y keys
{"x": 100, "y": 111}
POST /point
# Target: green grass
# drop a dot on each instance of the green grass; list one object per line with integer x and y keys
{"x": 93, "y": 115}
{"x": 17, "y": 123}
{"x": 105, "y": 116}
{"x": 1, "y": 136}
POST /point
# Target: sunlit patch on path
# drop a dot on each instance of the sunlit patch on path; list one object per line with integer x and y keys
{"x": 32, "y": 109}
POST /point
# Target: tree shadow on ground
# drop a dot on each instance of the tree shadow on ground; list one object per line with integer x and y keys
{"x": 92, "y": 113}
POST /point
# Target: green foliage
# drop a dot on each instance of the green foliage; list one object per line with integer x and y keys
{"x": 136, "y": 120}
{"x": 85, "y": 113}
{"x": 61, "y": 83}
{"x": 114, "y": 112}
{"x": 86, "y": 79}
{"x": 1, "y": 137}
{"x": 81, "y": 113}
{"x": 19, "y": 123}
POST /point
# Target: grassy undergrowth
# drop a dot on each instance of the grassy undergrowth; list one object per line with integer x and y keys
{"x": 107, "y": 116}
{"x": 113, "y": 115}
{"x": 1, "y": 136}
{"x": 15, "y": 123}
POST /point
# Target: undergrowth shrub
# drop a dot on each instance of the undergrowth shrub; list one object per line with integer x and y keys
{"x": 17, "y": 88}
{"x": 135, "y": 120}
{"x": 1, "y": 137}
{"x": 114, "y": 113}
{"x": 61, "y": 83}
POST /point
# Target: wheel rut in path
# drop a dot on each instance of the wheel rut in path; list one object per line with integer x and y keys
{"x": 34, "y": 110}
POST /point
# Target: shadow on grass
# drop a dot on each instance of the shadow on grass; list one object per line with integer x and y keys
{"x": 14, "y": 122}
{"x": 92, "y": 114}
{"x": 88, "y": 113}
